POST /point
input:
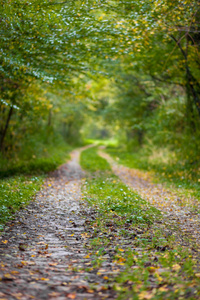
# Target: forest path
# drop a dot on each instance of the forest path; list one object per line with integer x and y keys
{"x": 42, "y": 253}
{"x": 178, "y": 212}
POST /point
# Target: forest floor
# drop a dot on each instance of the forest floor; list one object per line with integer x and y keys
{"x": 59, "y": 247}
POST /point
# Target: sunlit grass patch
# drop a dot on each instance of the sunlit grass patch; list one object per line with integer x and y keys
{"x": 107, "y": 142}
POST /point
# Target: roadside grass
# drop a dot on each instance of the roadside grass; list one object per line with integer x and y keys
{"x": 150, "y": 262}
{"x": 36, "y": 164}
{"x": 179, "y": 175}
{"x": 20, "y": 180}
{"x": 15, "y": 193}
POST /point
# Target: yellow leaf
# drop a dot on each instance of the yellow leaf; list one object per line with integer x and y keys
{"x": 145, "y": 295}
{"x": 5, "y": 242}
{"x": 7, "y": 275}
{"x": 14, "y": 272}
{"x": 163, "y": 289}
{"x": 71, "y": 296}
{"x": 176, "y": 267}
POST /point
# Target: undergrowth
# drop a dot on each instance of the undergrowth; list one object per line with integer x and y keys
{"x": 22, "y": 176}
{"x": 178, "y": 174}
{"x": 153, "y": 265}
{"x": 40, "y": 161}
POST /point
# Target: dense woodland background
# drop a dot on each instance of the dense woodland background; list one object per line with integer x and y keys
{"x": 124, "y": 71}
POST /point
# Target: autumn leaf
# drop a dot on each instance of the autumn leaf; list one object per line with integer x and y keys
{"x": 71, "y": 296}
{"x": 144, "y": 295}
{"x": 176, "y": 267}
{"x": 5, "y": 242}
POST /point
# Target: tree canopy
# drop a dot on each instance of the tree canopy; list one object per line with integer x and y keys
{"x": 54, "y": 54}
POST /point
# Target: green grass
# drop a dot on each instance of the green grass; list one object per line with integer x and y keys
{"x": 156, "y": 266}
{"x": 90, "y": 161}
{"x": 15, "y": 193}
{"x": 107, "y": 142}
{"x": 38, "y": 164}
{"x": 21, "y": 179}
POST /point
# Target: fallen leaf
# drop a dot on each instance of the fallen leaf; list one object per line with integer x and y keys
{"x": 176, "y": 267}
{"x": 17, "y": 295}
{"x": 14, "y": 272}
{"x": 54, "y": 294}
{"x": 145, "y": 295}
{"x": 71, "y": 296}
{"x": 151, "y": 269}
{"x": 2, "y": 294}
{"x": 53, "y": 264}
{"x": 163, "y": 289}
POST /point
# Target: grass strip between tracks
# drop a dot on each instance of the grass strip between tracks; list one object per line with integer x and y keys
{"x": 127, "y": 227}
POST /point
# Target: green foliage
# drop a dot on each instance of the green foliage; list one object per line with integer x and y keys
{"x": 132, "y": 66}
{"x": 15, "y": 193}
{"x": 38, "y": 155}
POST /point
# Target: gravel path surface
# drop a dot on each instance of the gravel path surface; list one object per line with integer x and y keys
{"x": 177, "y": 211}
{"x": 42, "y": 253}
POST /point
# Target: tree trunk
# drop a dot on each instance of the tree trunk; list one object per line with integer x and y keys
{"x": 5, "y": 129}
{"x": 193, "y": 87}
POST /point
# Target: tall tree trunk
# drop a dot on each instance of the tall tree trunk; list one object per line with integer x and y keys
{"x": 3, "y": 135}
{"x": 193, "y": 87}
